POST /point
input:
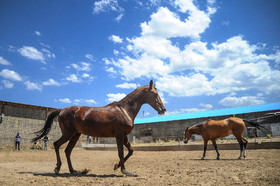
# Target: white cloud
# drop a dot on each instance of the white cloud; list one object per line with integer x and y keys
{"x": 82, "y": 66}
{"x": 179, "y": 86}
{"x": 205, "y": 107}
{"x": 146, "y": 65}
{"x": 115, "y": 39}
{"x": 90, "y": 101}
{"x": 7, "y": 84}
{"x": 241, "y": 101}
{"x": 51, "y": 82}
{"x": 31, "y": 53}
{"x": 4, "y": 61}
{"x": 128, "y": 85}
{"x": 90, "y": 57}
{"x": 34, "y": 54}
{"x": 73, "y": 78}
{"x": 106, "y": 5}
{"x": 64, "y": 100}
{"x": 190, "y": 67}
{"x": 84, "y": 101}
{"x": 115, "y": 97}
{"x": 118, "y": 19}
{"x": 167, "y": 24}
{"x": 11, "y": 75}
{"x": 37, "y": 33}
{"x": 32, "y": 86}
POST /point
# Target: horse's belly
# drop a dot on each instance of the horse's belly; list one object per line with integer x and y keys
{"x": 220, "y": 134}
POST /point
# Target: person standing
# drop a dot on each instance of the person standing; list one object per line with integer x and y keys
{"x": 46, "y": 139}
{"x": 17, "y": 141}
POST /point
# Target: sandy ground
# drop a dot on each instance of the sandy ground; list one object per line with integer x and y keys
{"x": 261, "y": 167}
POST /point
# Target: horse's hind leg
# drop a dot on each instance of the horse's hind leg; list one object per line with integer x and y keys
{"x": 242, "y": 146}
{"x": 130, "y": 152}
{"x": 216, "y": 148}
{"x": 63, "y": 139}
{"x": 245, "y": 142}
{"x": 69, "y": 149}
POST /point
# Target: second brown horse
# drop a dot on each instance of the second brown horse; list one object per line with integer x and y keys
{"x": 114, "y": 120}
{"x": 211, "y": 130}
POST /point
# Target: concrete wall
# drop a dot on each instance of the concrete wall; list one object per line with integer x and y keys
{"x": 27, "y": 119}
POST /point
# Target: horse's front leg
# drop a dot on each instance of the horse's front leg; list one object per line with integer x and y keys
{"x": 120, "y": 143}
{"x": 205, "y": 148}
{"x": 216, "y": 148}
{"x": 130, "y": 152}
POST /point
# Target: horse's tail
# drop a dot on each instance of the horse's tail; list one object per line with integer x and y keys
{"x": 48, "y": 124}
{"x": 257, "y": 125}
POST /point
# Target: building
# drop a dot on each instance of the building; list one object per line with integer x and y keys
{"x": 172, "y": 126}
{"x": 27, "y": 119}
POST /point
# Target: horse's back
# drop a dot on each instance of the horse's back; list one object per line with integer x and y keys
{"x": 223, "y": 128}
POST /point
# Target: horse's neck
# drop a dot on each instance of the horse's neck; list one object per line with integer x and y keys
{"x": 133, "y": 103}
{"x": 195, "y": 130}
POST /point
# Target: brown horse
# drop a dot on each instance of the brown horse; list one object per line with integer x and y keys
{"x": 114, "y": 120}
{"x": 211, "y": 129}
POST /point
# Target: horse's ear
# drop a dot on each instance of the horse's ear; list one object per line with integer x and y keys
{"x": 151, "y": 85}
{"x": 187, "y": 129}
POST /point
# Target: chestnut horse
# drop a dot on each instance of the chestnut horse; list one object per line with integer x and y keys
{"x": 211, "y": 129}
{"x": 114, "y": 120}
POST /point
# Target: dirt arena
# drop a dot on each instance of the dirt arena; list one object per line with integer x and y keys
{"x": 261, "y": 167}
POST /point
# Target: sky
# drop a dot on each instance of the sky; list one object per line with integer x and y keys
{"x": 201, "y": 54}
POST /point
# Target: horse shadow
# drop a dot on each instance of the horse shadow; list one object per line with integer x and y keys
{"x": 221, "y": 159}
{"x": 67, "y": 175}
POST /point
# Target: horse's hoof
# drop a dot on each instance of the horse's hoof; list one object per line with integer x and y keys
{"x": 74, "y": 172}
{"x": 116, "y": 166}
{"x": 128, "y": 173}
{"x": 202, "y": 158}
{"x": 239, "y": 158}
{"x": 218, "y": 158}
{"x": 56, "y": 171}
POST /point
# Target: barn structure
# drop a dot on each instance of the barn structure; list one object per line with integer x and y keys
{"x": 27, "y": 119}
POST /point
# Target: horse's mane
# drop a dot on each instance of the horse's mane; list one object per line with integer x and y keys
{"x": 197, "y": 125}
{"x": 127, "y": 96}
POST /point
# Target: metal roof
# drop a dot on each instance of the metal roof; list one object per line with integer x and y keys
{"x": 211, "y": 113}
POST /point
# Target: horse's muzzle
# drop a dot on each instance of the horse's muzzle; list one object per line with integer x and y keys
{"x": 162, "y": 111}
{"x": 185, "y": 141}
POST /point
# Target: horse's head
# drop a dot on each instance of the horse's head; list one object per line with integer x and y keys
{"x": 188, "y": 135}
{"x": 153, "y": 99}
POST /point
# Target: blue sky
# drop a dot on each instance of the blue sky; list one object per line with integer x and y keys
{"x": 202, "y": 55}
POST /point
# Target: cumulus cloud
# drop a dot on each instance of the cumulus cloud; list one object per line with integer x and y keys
{"x": 115, "y": 39}
{"x": 128, "y": 85}
{"x": 84, "y": 101}
{"x": 31, "y": 53}
{"x": 232, "y": 101}
{"x": 203, "y": 107}
{"x": 34, "y": 54}
{"x": 90, "y": 57}
{"x": 51, "y": 82}
{"x": 11, "y": 75}
{"x": 82, "y": 66}
{"x": 32, "y": 86}
{"x": 4, "y": 61}
{"x": 106, "y": 5}
{"x": 64, "y": 100}
{"x": 115, "y": 97}
{"x": 189, "y": 66}
{"x": 37, "y": 33}
{"x": 7, "y": 84}
{"x": 73, "y": 78}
